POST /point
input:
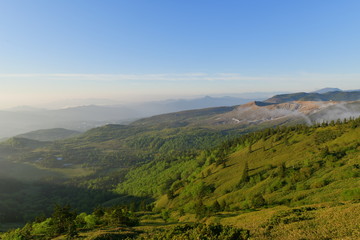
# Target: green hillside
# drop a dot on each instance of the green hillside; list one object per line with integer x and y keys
{"x": 296, "y": 182}
{"x": 49, "y": 134}
{"x": 328, "y": 96}
{"x": 287, "y": 165}
{"x": 186, "y": 170}
{"x": 15, "y": 147}
{"x": 296, "y": 172}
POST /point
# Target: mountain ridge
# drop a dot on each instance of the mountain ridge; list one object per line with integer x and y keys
{"x": 314, "y": 96}
{"x": 52, "y": 134}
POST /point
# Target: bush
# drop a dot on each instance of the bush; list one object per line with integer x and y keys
{"x": 80, "y": 220}
{"x": 118, "y": 215}
{"x": 91, "y": 221}
{"x": 13, "y": 235}
{"x": 199, "y": 231}
{"x": 256, "y": 201}
{"x": 43, "y": 228}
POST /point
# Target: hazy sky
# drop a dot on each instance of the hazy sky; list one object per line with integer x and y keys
{"x": 142, "y": 49}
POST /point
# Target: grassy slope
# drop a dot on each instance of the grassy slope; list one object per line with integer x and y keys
{"x": 309, "y": 176}
{"x": 316, "y": 194}
{"x": 302, "y": 152}
{"x": 323, "y": 221}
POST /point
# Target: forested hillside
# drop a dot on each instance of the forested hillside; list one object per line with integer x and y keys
{"x": 299, "y": 181}
{"x": 285, "y": 165}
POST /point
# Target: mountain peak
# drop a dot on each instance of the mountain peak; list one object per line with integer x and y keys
{"x": 328, "y": 89}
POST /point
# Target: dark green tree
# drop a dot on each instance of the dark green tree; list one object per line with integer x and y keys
{"x": 281, "y": 170}
{"x": 245, "y": 174}
{"x": 63, "y": 218}
{"x": 200, "y": 209}
{"x": 215, "y": 207}
{"x": 257, "y": 200}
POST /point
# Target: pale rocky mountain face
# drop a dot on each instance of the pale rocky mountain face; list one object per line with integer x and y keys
{"x": 259, "y": 112}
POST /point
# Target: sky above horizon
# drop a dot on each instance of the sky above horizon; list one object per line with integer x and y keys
{"x": 133, "y": 50}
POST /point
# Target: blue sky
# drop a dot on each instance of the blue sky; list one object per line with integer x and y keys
{"x": 141, "y": 49}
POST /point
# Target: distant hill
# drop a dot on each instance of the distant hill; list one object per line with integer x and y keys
{"x": 17, "y": 146}
{"x": 176, "y": 105}
{"x": 77, "y": 118}
{"x": 255, "y": 115}
{"x": 326, "y": 90}
{"x": 82, "y": 118}
{"x": 50, "y": 134}
{"x": 327, "y": 96}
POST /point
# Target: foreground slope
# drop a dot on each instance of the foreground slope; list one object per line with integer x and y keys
{"x": 287, "y": 183}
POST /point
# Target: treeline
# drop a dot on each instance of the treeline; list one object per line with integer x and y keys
{"x": 197, "y": 231}
{"x": 65, "y": 221}
{"x": 21, "y": 202}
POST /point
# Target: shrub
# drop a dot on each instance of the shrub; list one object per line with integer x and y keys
{"x": 80, "y": 220}
{"x": 91, "y": 221}
{"x": 256, "y": 201}
{"x": 43, "y": 228}
{"x": 119, "y": 216}
{"x": 199, "y": 231}
{"x": 13, "y": 235}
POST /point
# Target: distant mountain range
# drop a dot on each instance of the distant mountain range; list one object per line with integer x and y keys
{"x": 256, "y": 115}
{"x": 24, "y": 119}
{"x": 181, "y": 131}
{"x": 82, "y": 118}
{"x": 280, "y": 109}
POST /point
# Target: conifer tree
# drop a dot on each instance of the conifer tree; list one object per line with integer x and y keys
{"x": 244, "y": 175}
{"x": 215, "y": 207}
